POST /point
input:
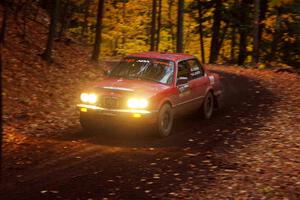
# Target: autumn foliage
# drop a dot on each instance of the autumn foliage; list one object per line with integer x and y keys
{"x": 249, "y": 150}
{"x": 237, "y": 31}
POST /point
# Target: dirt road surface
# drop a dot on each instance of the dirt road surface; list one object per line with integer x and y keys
{"x": 248, "y": 150}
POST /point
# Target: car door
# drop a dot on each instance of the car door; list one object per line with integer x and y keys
{"x": 183, "y": 95}
{"x": 198, "y": 81}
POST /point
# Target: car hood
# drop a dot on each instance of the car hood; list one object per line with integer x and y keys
{"x": 130, "y": 87}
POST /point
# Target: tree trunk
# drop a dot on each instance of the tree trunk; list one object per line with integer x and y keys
{"x": 64, "y": 19}
{"x": 187, "y": 38}
{"x": 171, "y": 24}
{"x": 115, "y": 47}
{"x": 262, "y": 16}
{"x": 179, "y": 43}
{"x": 201, "y": 32}
{"x": 242, "y": 32}
{"x": 276, "y": 36}
{"x": 85, "y": 21}
{"x": 233, "y": 44}
{"x": 255, "y": 55}
{"x": 158, "y": 25}
{"x": 124, "y": 21}
{"x": 47, "y": 55}
{"x": 242, "y": 47}
{"x": 3, "y": 24}
{"x": 222, "y": 37}
{"x": 234, "y": 25}
{"x": 153, "y": 26}
{"x": 215, "y": 29}
{"x": 96, "y": 50}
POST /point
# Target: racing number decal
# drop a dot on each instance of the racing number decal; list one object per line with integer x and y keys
{"x": 184, "y": 90}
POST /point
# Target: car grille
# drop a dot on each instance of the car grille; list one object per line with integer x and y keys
{"x": 111, "y": 102}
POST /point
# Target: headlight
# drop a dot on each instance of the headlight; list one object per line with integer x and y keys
{"x": 137, "y": 103}
{"x": 84, "y": 97}
{"x": 88, "y": 98}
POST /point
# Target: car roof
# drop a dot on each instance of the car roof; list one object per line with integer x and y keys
{"x": 162, "y": 55}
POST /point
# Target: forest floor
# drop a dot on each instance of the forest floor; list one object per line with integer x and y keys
{"x": 250, "y": 149}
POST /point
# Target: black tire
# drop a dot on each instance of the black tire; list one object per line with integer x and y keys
{"x": 88, "y": 126}
{"x": 207, "y": 106}
{"x": 165, "y": 121}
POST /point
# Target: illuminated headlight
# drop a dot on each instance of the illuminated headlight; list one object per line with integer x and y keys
{"x": 88, "y": 98}
{"x": 137, "y": 103}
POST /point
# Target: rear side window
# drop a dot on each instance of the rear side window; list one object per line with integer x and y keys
{"x": 196, "y": 69}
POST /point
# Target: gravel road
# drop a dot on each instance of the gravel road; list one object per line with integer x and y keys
{"x": 248, "y": 150}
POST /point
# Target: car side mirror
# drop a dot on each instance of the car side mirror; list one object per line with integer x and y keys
{"x": 182, "y": 80}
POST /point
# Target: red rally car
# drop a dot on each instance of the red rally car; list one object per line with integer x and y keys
{"x": 151, "y": 88}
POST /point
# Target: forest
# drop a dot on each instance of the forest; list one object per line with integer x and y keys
{"x": 257, "y": 33}
{"x": 53, "y": 52}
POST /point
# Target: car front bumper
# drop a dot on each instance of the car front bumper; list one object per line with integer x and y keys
{"x": 96, "y": 113}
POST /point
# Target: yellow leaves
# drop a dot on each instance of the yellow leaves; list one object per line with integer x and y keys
{"x": 280, "y": 22}
{"x": 78, "y": 17}
{"x": 278, "y": 3}
{"x": 288, "y": 18}
{"x": 270, "y": 22}
{"x": 289, "y": 38}
{"x": 261, "y": 66}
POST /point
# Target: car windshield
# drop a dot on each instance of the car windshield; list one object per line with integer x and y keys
{"x": 157, "y": 70}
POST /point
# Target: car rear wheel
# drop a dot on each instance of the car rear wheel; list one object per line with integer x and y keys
{"x": 207, "y": 106}
{"x": 165, "y": 121}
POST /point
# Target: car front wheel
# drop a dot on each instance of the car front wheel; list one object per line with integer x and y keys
{"x": 165, "y": 121}
{"x": 208, "y": 106}
{"x": 87, "y": 125}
